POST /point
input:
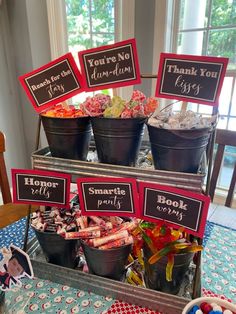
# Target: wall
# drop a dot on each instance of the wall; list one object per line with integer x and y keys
{"x": 24, "y": 39}
{"x": 144, "y": 33}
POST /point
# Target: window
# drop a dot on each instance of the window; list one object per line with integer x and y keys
{"x": 90, "y": 23}
{"x": 208, "y": 27}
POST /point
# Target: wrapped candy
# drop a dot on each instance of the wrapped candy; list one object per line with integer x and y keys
{"x": 64, "y": 111}
{"x": 181, "y": 120}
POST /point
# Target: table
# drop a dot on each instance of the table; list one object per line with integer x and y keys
{"x": 62, "y": 290}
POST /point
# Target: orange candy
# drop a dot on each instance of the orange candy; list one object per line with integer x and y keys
{"x": 60, "y": 111}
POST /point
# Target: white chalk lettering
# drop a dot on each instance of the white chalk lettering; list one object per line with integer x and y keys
{"x": 187, "y": 87}
{"x": 176, "y": 69}
{"x": 116, "y": 72}
{"x": 114, "y": 201}
{"x": 53, "y": 89}
{"x": 163, "y": 200}
{"x": 123, "y": 56}
{"x": 32, "y": 181}
{"x": 171, "y": 212}
{"x": 204, "y": 72}
{"x": 44, "y": 83}
{"x": 65, "y": 73}
{"x": 43, "y": 191}
{"x": 115, "y": 191}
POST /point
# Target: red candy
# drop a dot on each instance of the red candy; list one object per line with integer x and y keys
{"x": 205, "y": 307}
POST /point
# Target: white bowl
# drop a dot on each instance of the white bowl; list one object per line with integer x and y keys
{"x": 227, "y": 305}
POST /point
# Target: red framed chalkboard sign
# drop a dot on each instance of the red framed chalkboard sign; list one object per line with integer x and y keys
{"x": 110, "y": 66}
{"x": 176, "y": 207}
{"x": 108, "y": 196}
{"x": 41, "y": 187}
{"x": 53, "y": 83}
{"x": 196, "y": 79}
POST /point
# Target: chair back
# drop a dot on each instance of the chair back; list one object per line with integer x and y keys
{"x": 4, "y": 183}
{"x": 223, "y": 138}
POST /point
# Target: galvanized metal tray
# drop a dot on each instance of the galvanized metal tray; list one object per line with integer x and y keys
{"x": 42, "y": 160}
{"x": 154, "y": 300}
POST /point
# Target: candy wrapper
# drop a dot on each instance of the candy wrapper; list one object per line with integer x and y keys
{"x": 181, "y": 120}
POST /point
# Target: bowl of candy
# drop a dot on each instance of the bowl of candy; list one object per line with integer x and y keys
{"x": 209, "y": 305}
{"x": 118, "y": 125}
{"x": 68, "y": 131}
{"x": 179, "y": 140}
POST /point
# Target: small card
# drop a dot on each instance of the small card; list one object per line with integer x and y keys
{"x": 191, "y": 78}
{"x": 174, "y": 206}
{"x": 41, "y": 187}
{"x": 53, "y": 83}
{"x": 108, "y": 196}
{"x": 110, "y": 66}
{"x": 15, "y": 265}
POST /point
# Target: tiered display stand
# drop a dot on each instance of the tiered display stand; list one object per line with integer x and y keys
{"x": 42, "y": 160}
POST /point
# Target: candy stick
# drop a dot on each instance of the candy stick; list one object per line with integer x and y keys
{"x": 115, "y": 220}
{"x": 97, "y": 220}
{"x": 82, "y": 234}
{"x": 85, "y": 221}
{"x": 80, "y": 222}
{"x": 117, "y": 243}
{"x": 100, "y": 241}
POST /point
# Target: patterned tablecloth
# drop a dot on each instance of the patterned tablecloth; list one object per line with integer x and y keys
{"x": 44, "y": 296}
{"x": 40, "y": 296}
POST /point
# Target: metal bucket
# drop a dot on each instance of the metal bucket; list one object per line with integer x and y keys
{"x": 107, "y": 263}
{"x": 118, "y": 140}
{"x": 155, "y": 274}
{"x": 178, "y": 150}
{"x": 68, "y": 137}
{"x": 58, "y": 250}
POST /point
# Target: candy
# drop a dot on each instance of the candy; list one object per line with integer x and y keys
{"x": 116, "y": 107}
{"x": 109, "y": 238}
{"x": 64, "y": 111}
{"x": 117, "y": 243}
{"x": 82, "y": 234}
{"x": 183, "y": 120}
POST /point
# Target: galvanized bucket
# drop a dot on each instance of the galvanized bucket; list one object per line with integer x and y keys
{"x": 155, "y": 274}
{"x": 107, "y": 263}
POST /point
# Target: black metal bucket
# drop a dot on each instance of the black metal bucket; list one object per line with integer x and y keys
{"x": 155, "y": 274}
{"x": 178, "y": 150}
{"x": 107, "y": 263}
{"x": 118, "y": 140}
{"x": 68, "y": 137}
{"x": 58, "y": 250}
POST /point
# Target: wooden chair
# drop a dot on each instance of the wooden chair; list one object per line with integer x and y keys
{"x": 223, "y": 138}
{"x": 9, "y": 212}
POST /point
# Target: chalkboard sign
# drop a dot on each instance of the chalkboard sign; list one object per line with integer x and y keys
{"x": 108, "y": 196}
{"x": 191, "y": 78}
{"x": 41, "y": 187}
{"x": 175, "y": 206}
{"x": 110, "y": 66}
{"x": 53, "y": 82}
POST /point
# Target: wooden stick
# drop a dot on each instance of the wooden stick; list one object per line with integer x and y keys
{"x": 27, "y": 229}
{"x": 65, "y": 105}
{"x": 115, "y": 92}
{"x": 184, "y": 106}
